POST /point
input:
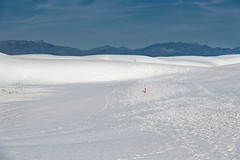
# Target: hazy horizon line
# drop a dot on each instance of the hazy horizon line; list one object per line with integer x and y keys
{"x": 120, "y": 46}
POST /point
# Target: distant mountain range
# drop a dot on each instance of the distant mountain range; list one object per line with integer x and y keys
{"x": 17, "y": 47}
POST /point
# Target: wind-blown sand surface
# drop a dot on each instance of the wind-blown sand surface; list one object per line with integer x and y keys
{"x": 94, "y": 107}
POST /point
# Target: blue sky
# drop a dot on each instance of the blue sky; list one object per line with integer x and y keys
{"x": 132, "y": 23}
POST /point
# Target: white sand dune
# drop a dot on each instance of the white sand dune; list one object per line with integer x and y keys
{"x": 190, "y": 110}
{"x": 50, "y": 69}
{"x": 47, "y": 69}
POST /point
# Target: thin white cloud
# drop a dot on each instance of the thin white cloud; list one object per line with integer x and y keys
{"x": 216, "y": 1}
{"x": 212, "y": 2}
{"x": 97, "y": 11}
{"x": 216, "y": 8}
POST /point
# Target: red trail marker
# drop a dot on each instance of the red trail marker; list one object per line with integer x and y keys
{"x": 145, "y": 90}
